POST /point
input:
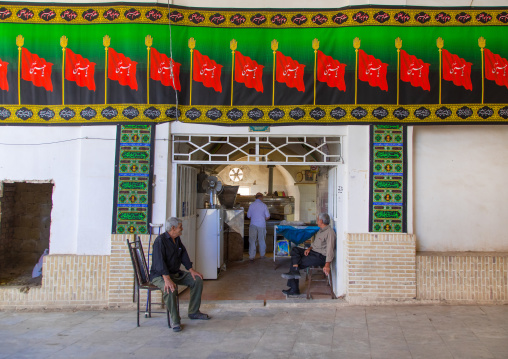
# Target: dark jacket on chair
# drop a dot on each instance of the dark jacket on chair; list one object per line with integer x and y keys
{"x": 168, "y": 256}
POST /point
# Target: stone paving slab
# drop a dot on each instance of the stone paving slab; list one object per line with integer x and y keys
{"x": 250, "y": 330}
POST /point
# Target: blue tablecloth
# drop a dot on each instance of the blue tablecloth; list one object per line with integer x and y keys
{"x": 297, "y": 235}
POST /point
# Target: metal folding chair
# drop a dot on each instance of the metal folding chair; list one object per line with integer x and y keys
{"x": 142, "y": 278}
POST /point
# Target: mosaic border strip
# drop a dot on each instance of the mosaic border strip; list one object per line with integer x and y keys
{"x": 255, "y": 115}
{"x": 248, "y": 18}
{"x": 132, "y": 209}
{"x": 388, "y": 179}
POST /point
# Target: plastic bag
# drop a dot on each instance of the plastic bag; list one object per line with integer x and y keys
{"x": 38, "y": 267}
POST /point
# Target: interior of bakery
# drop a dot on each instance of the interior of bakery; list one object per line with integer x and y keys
{"x": 294, "y": 195}
{"x": 214, "y": 180}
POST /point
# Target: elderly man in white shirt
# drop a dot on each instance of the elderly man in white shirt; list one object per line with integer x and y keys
{"x": 258, "y": 214}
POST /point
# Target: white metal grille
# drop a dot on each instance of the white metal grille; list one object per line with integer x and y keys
{"x": 257, "y": 149}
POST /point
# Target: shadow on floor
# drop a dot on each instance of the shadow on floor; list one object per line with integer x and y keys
{"x": 245, "y": 280}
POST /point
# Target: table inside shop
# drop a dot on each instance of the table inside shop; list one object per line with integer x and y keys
{"x": 292, "y": 236}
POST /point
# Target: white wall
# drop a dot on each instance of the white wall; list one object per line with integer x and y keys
{"x": 161, "y": 170}
{"x": 83, "y": 175}
{"x": 356, "y": 153}
{"x": 460, "y": 191}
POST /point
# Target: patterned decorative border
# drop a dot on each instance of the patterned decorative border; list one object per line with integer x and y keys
{"x": 256, "y": 115}
{"x": 388, "y": 180}
{"x": 243, "y": 18}
{"x": 132, "y": 208}
{"x": 84, "y": 114}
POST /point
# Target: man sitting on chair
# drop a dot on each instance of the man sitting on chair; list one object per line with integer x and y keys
{"x": 168, "y": 255}
{"x": 321, "y": 253}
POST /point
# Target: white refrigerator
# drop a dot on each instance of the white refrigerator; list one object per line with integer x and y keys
{"x": 209, "y": 242}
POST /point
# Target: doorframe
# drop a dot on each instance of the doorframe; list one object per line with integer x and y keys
{"x": 339, "y": 216}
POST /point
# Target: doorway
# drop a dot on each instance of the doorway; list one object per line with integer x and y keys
{"x": 296, "y": 170}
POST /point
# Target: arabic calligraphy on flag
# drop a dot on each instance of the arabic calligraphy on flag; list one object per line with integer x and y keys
{"x": 36, "y": 69}
{"x": 79, "y": 70}
{"x": 372, "y": 70}
{"x": 122, "y": 69}
{"x": 330, "y": 71}
{"x": 164, "y": 69}
{"x": 4, "y": 85}
{"x": 457, "y": 70}
{"x": 248, "y": 72}
{"x": 414, "y": 71}
{"x": 206, "y": 71}
{"x": 496, "y": 68}
{"x": 290, "y": 72}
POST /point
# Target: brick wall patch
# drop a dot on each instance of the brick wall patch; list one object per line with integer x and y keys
{"x": 381, "y": 266}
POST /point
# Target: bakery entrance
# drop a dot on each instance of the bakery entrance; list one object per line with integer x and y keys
{"x": 216, "y": 179}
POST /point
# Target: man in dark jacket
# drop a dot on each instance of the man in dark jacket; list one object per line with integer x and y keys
{"x": 168, "y": 255}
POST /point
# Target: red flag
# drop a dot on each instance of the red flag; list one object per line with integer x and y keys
{"x": 330, "y": 71}
{"x": 290, "y": 72}
{"x": 4, "y": 85}
{"x": 122, "y": 69}
{"x": 496, "y": 68}
{"x": 414, "y": 70}
{"x": 79, "y": 70}
{"x": 249, "y": 72}
{"x": 372, "y": 70}
{"x": 160, "y": 69}
{"x": 36, "y": 69}
{"x": 457, "y": 70}
{"x": 206, "y": 71}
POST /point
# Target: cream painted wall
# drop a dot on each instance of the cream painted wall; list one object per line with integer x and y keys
{"x": 460, "y": 191}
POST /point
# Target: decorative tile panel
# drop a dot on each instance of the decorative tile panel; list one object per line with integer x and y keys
{"x": 134, "y": 170}
{"x": 388, "y": 179}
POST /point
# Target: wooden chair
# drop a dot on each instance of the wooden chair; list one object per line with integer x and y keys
{"x": 142, "y": 278}
{"x": 317, "y": 270}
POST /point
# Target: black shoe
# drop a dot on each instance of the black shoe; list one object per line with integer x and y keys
{"x": 292, "y": 274}
{"x": 177, "y": 328}
{"x": 290, "y": 292}
{"x": 199, "y": 315}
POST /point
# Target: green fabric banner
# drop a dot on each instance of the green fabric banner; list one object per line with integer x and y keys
{"x": 78, "y": 64}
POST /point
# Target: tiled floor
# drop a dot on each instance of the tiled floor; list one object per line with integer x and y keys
{"x": 246, "y": 280}
{"x": 277, "y": 330}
